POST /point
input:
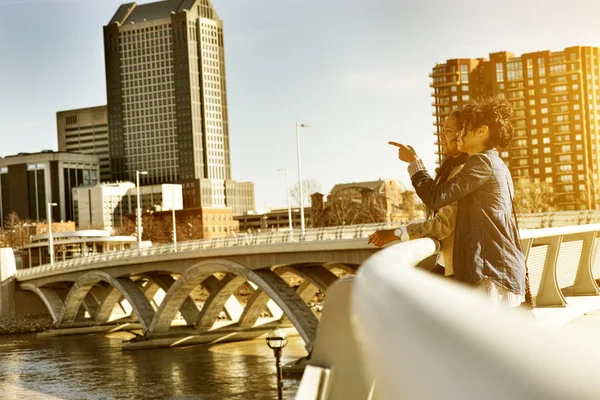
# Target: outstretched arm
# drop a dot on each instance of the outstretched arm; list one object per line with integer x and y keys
{"x": 476, "y": 171}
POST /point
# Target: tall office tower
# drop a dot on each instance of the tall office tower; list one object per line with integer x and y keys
{"x": 556, "y": 102}
{"x": 85, "y": 131}
{"x": 167, "y": 98}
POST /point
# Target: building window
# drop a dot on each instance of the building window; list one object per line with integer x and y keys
{"x": 541, "y": 67}
{"x": 499, "y": 72}
{"x": 529, "y": 68}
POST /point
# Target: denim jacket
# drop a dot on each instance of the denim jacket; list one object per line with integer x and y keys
{"x": 440, "y": 227}
{"x": 486, "y": 242}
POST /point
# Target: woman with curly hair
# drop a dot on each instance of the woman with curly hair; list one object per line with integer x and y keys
{"x": 487, "y": 251}
{"x": 439, "y": 223}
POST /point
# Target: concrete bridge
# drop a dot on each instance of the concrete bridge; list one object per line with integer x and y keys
{"x": 157, "y": 289}
{"x": 279, "y": 280}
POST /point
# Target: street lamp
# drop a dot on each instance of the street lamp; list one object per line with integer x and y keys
{"x": 139, "y": 207}
{"x": 173, "y": 216}
{"x": 298, "y": 126}
{"x": 287, "y": 189}
{"x": 50, "y": 238}
{"x": 277, "y": 340}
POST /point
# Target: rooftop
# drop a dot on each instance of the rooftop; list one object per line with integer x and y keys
{"x": 48, "y": 155}
{"x": 134, "y": 13}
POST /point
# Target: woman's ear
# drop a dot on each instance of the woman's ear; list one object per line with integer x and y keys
{"x": 483, "y": 130}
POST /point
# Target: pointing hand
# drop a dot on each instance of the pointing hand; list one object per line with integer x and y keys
{"x": 405, "y": 153}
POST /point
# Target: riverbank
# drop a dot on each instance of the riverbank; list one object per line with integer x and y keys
{"x": 29, "y": 323}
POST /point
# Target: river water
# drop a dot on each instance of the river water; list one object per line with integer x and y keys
{"x": 95, "y": 367}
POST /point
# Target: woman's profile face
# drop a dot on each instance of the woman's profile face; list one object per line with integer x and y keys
{"x": 449, "y": 136}
{"x": 469, "y": 140}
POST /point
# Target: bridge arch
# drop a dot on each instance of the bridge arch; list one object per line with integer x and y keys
{"x": 316, "y": 277}
{"x": 266, "y": 280}
{"x": 49, "y": 297}
{"x": 125, "y": 287}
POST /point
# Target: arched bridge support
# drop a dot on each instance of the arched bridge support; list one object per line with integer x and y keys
{"x": 125, "y": 286}
{"x": 266, "y": 280}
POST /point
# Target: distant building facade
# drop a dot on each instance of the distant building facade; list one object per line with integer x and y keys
{"x": 192, "y": 224}
{"x": 240, "y": 197}
{"x": 28, "y": 182}
{"x": 85, "y": 131}
{"x": 274, "y": 220}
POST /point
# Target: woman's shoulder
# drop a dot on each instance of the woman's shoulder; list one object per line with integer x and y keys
{"x": 480, "y": 161}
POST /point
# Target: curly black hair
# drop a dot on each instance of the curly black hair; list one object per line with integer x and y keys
{"x": 495, "y": 112}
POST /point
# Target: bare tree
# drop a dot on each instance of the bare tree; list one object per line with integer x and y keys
{"x": 16, "y": 231}
{"x": 410, "y": 206}
{"x": 372, "y": 208}
{"x": 126, "y": 228}
{"x": 157, "y": 229}
{"x": 309, "y": 186}
{"x": 351, "y": 208}
{"x": 342, "y": 210}
{"x": 533, "y": 196}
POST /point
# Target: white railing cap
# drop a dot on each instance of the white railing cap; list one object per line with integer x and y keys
{"x": 416, "y": 327}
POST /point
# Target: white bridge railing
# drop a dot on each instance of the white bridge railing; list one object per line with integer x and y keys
{"x": 526, "y": 221}
{"x": 392, "y": 329}
{"x": 318, "y": 234}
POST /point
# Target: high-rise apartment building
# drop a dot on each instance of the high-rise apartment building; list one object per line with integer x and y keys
{"x": 556, "y": 102}
{"x": 167, "y": 98}
{"x": 85, "y": 131}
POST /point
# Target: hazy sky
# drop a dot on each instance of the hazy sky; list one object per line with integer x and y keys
{"x": 356, "y": 70}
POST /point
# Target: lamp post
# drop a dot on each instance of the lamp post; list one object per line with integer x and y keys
{"x": 287, "y": 190}
{"x": 173, "y": 216}
{"x": 139, "y": 207}
{"x": 50, "y": 238}
{"x": 298, "y": 126}
{"x": 277, "y": 340}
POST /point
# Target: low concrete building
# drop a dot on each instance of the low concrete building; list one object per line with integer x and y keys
{"x": 273, "y": 220}
{"x": 69, "y": 245}
{"x": 105, "y": 205}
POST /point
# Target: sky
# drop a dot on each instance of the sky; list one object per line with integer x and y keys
{"x": 356, "y": 71}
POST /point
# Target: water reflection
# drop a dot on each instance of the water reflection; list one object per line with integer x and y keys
{"x": 94, "y": 367}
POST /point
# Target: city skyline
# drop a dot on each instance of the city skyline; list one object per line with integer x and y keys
{"x": 358, "y": 74}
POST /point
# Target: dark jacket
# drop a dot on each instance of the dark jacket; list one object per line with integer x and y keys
{"x": 486, "y": 235}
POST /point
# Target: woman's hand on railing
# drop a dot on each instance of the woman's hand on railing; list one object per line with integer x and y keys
{"x": 383, "y": 237}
